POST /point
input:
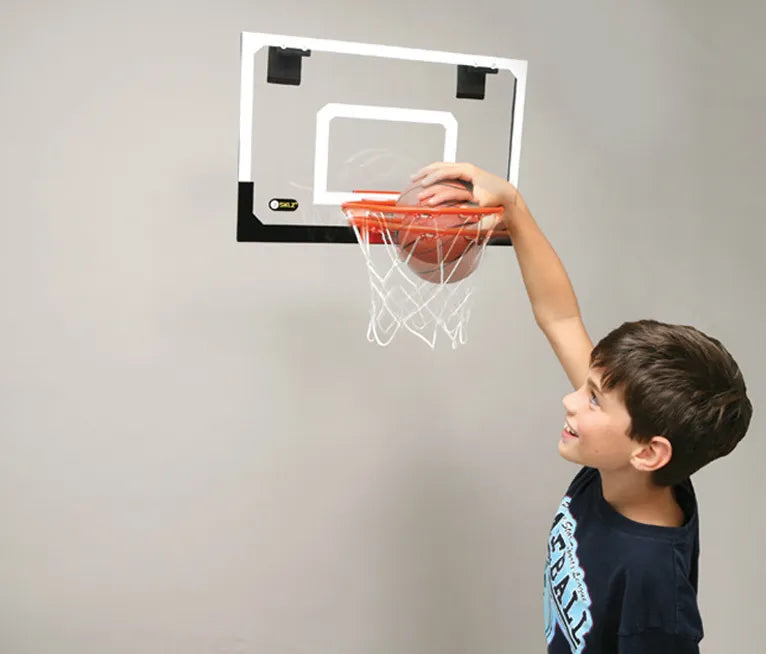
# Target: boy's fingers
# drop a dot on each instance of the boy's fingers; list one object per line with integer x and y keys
{"x": 424, "y": 195}
{"x": 425, "y": 170}
{"x": 439, "y": 171}
{"x": 452, "y": 171}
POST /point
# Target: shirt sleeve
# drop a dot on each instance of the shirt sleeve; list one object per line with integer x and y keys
{"x": 657, "y": 641}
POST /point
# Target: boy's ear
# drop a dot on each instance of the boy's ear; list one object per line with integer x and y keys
{"x": 653, "y": 455}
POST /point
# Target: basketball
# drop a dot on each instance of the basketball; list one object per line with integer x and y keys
{"x": 432, "y": 256}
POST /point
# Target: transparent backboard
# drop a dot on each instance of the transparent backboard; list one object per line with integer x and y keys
{"x": 324, "y": 122}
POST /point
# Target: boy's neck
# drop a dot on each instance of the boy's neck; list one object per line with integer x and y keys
{"x": 633, "y": 494}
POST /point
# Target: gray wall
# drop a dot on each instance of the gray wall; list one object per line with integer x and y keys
{"x": 200, "y": 453}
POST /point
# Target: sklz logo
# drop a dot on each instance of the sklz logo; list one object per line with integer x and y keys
{"x": 281, "y": 204}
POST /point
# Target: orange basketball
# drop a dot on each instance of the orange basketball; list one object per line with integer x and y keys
{"x": 433, "y": 256}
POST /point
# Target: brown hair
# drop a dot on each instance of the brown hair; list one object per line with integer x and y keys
{"x": 678, "y": 383}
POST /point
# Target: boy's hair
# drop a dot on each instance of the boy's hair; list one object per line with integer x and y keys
{"x": 678, "y": 383}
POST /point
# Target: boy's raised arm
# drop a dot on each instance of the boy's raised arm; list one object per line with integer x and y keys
{"x": 550, "y": 292}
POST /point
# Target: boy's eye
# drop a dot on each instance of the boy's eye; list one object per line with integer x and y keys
{"x": 593, "y": 398}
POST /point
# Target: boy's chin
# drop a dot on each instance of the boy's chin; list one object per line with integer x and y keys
{"x": 566, "y": 452}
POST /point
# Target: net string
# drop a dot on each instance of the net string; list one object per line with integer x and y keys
{"x": 399, "y": 299}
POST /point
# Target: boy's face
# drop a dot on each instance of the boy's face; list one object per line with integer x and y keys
{"x": 601, "y": 423}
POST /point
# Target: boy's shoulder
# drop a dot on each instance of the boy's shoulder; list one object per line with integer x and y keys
{"x": 633, "y": 577}
{"x": 647, "y": 553}
{"x": 638, "y": 544}
{"x": 587, "y": 482}
{"x": 651, "y": 568}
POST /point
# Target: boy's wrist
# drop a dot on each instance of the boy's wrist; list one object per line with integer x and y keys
{"x": 514, "y": 210}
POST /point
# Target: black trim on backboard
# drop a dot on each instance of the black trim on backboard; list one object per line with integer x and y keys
{"x": 513, "y": 118}
{"x": 250, "y": 228}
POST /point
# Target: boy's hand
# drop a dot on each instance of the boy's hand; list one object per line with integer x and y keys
{"x": 486, "y": 189}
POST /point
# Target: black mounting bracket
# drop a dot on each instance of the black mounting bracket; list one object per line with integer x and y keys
{"x": 285, "y": 65}
{"x": 471, "y": 81}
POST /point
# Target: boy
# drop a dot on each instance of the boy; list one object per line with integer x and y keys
{"x": 653, "y": 404}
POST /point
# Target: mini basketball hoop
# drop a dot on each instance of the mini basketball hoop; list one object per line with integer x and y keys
{"x": 419, "y": 261}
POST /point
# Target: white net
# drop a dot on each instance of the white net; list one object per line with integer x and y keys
{"x": 427, "y": 295}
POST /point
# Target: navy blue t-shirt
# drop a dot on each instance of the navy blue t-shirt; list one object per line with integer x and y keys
{"x": 615, "y": 586}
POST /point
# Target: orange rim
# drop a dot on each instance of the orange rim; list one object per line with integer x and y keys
{"x": 381, "y": 224}
{"x": 385, "y": 206}
{"x": 385, "y": 216}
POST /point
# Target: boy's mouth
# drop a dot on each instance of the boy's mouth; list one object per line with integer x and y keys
{"x": 569, "y": 432}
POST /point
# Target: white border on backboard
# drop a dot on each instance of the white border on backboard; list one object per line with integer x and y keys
{"x": 365, "y": 112}
{"x": 252, "y": 42}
